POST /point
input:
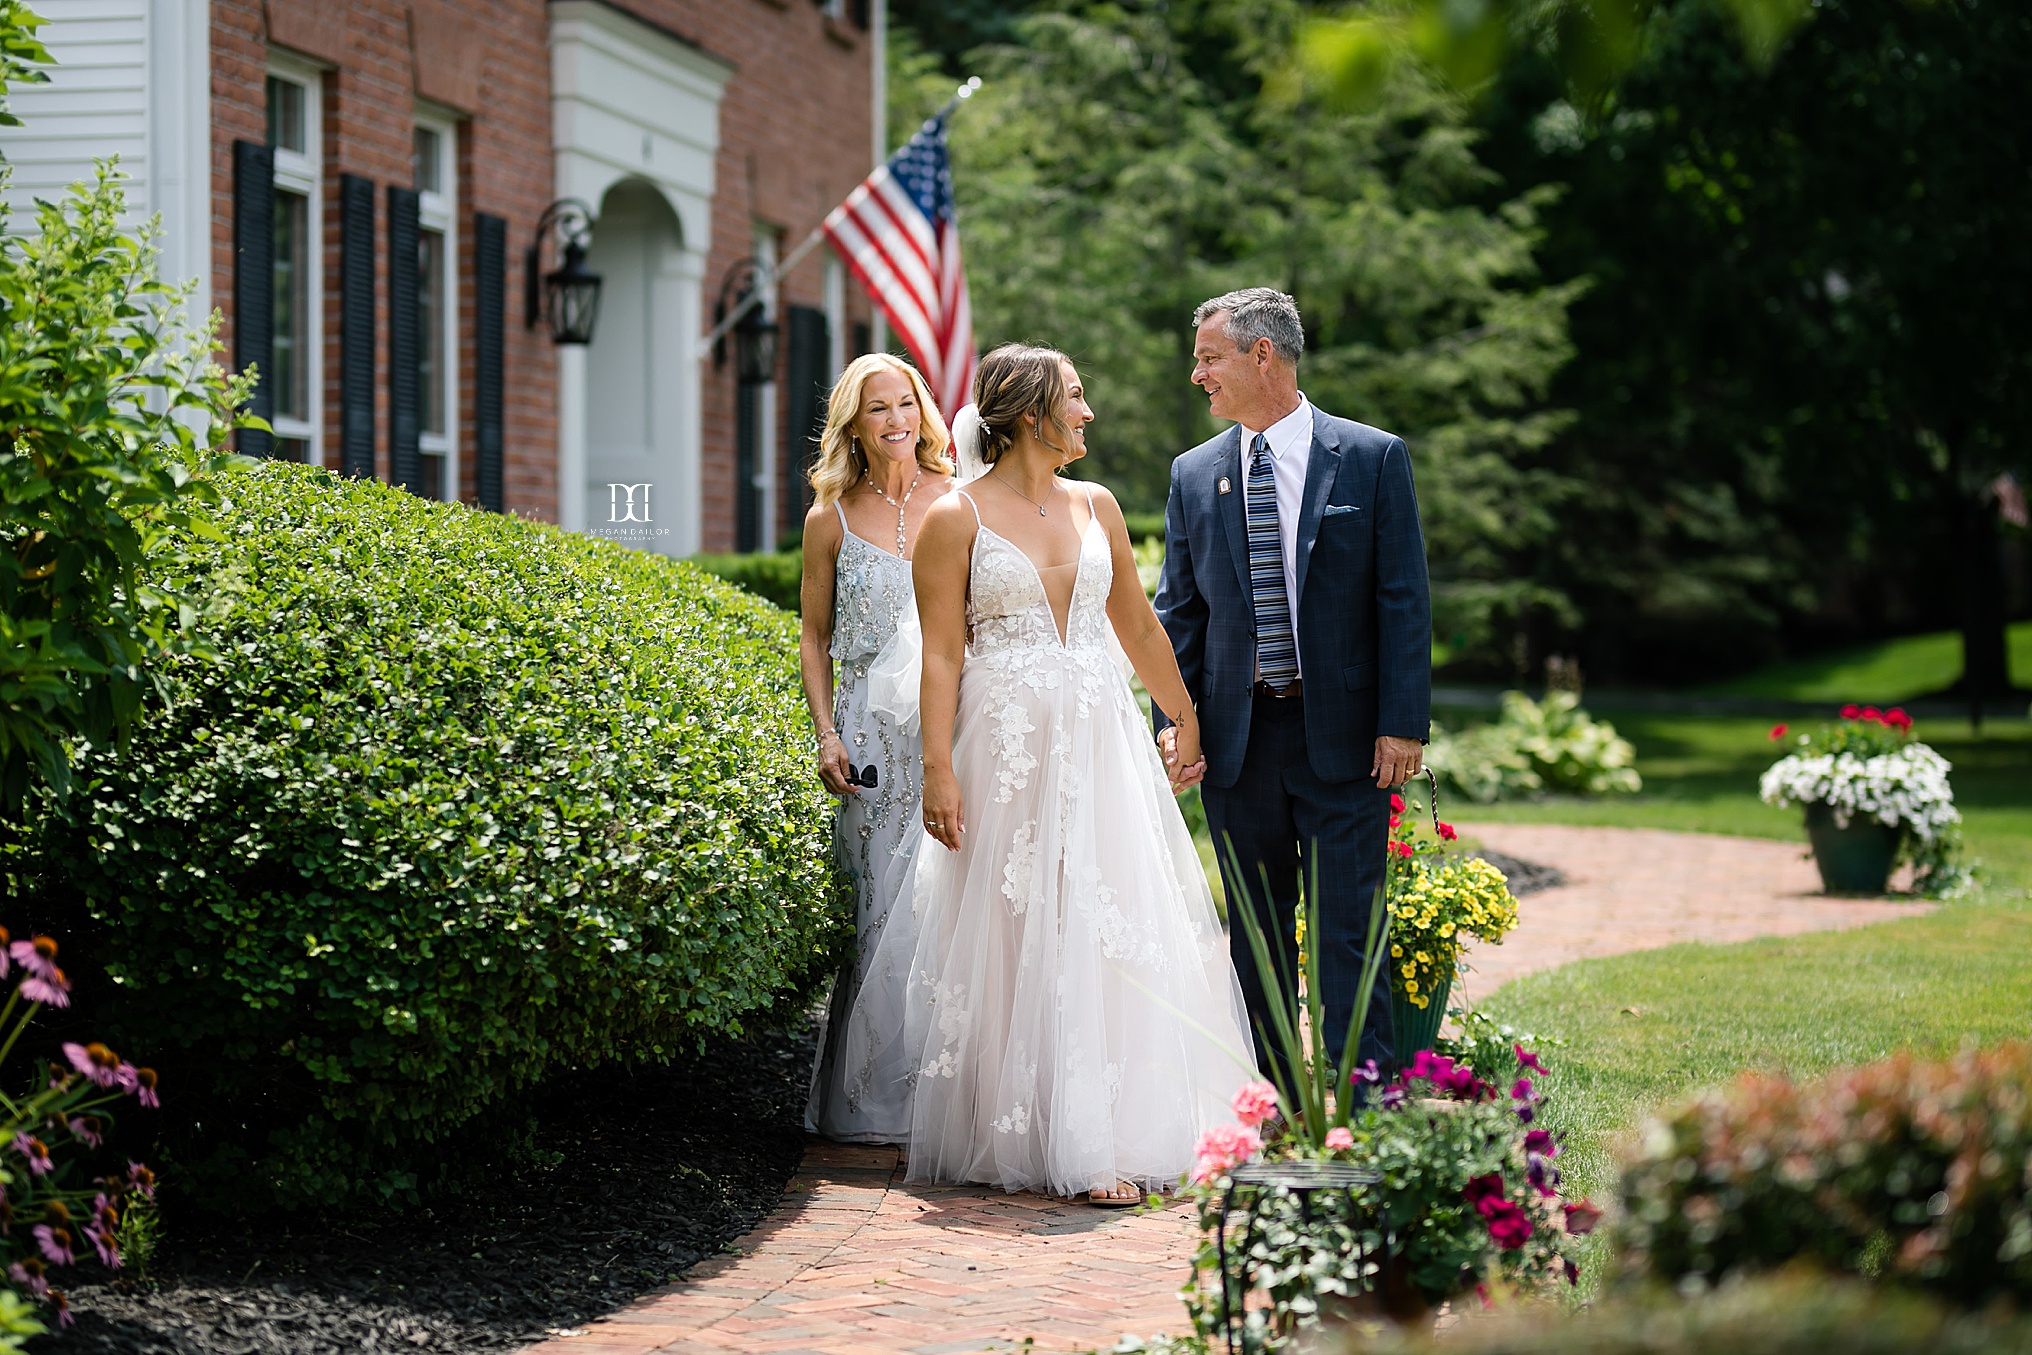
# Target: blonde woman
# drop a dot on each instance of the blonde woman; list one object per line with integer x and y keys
{"x": 1076, "y": 1022}
{"x": 882, "y": 465}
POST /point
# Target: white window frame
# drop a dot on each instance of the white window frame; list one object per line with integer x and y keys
{"x": 301, "y": 173}
{"x": 439, "y": 211}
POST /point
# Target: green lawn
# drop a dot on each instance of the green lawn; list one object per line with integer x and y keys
{"x": 1651, "y": 1027}
{"x": 1895, "y": 670}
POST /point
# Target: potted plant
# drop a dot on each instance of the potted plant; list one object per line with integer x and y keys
{"x": 1437, "y": 900}
{"x": 1443, "y": 1182}
{"x": 1873, "y": 796}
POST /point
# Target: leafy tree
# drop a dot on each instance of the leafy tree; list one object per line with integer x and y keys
{"x": 111, "y": 413}
{"x": 1125, "y": 161}
{"x": 1803, "y": 370}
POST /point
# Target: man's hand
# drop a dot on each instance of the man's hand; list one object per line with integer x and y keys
{"x": 1181, "y": 777}
{"x": 1397, "y": 761}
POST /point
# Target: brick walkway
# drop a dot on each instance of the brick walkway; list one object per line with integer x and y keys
{"x": 854, "y": 1262}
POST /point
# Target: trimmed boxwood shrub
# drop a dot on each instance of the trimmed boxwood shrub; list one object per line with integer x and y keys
{"x": 466, "y": 800}
{"x": 778, "y": 576}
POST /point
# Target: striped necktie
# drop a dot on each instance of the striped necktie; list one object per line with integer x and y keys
{"x": 1276, "y": 649}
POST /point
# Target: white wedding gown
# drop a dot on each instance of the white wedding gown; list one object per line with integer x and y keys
{"x": 1073, "y": 1011}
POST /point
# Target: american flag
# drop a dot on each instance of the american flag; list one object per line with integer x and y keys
{"x": 898, "y": 234}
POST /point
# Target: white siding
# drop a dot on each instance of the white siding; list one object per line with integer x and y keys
{"x": 131, "y": 80}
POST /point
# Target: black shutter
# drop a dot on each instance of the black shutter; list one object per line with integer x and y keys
{"x": 747, "y": 437}
{"x": 864, "y": 340}
{"x": 810, "y": 341}
{"x": 254, "y": 282}
{"x": 405, "y": 341}
{"x": 356, "y": 326}
{"x": 490, "y": 320}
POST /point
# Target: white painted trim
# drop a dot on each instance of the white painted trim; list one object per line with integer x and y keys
{"x": 302, "y": 173}
{"x": 439, "y": 212}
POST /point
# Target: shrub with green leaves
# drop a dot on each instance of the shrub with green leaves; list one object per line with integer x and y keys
{"x": 1550, "y": 745}
{"x": 777, "y": 575}
{"x": 464, "y": 801}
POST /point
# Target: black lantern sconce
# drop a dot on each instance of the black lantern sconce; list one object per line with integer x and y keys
{"x": 754, "y": 333}
{"x": 568, "y": 297}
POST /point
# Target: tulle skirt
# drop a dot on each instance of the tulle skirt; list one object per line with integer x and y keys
{"x": 1074, "y": 1015}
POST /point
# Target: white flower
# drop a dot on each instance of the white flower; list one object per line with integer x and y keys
{"x": 1907, "y": 787}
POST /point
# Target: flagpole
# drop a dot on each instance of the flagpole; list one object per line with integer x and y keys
{"x": 810, "y": 242}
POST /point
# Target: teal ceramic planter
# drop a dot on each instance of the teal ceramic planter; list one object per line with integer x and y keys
{"x": 1417, "y": 1027}
{"x": 1852, "y": 860}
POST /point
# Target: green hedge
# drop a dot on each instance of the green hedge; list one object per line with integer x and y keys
{"x": 467, "y": 800}
{"x": 777, "y": 577}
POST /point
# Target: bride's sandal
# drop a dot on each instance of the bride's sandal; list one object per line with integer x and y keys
{"x": 1124, "y": 1196}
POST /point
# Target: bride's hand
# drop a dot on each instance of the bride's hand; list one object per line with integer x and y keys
{"x": 833, "y": 766}
{"x": 944, "y": 816}
{"x": 1184, "y": 762}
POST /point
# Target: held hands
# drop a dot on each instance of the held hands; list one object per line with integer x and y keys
{"x": 1185, "y": 769}
{"x": 833, "y": 766}
{"x": 1397, "y": 761}
{"x": 944, "y": 816}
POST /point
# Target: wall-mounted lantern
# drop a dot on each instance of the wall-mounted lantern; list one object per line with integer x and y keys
{"x": 754, "y": 333}
{"x": 568, "y": 297}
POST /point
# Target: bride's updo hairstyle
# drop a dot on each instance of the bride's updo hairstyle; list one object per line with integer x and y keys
{"x": 1014, "y": 382}
{"x": 840, "y": 458}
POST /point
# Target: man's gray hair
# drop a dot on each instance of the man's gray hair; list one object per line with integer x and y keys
{"x": 1258, "y": 313}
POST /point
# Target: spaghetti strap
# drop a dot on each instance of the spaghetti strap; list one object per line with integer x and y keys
{"x": 971, "y": 504}
{"x": 840, "y": 508}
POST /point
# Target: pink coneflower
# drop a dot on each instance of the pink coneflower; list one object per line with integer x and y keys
{"x": 89, "y": 1129}
{"x": 53, "y": 991}
{"x": 63, "y": 1308}
{"x": 37, "y": 956}
{"x": 1254, "y": 1103}
{"x": 101, "y": 1230}
{"x": 55, "y": 1244}
{"x": 144, "y": 1088}
{"x": 96, "y": 1062}
{"x": 27, "y": 1274}
{"x": 141, "y": 1180}
{"x": 1339, "y": 1138}
{"x": 6, "y": 960}
{"x": 35, "y": 1150}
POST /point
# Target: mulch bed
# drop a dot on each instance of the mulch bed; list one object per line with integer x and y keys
{"x": 631, "y": 1179}
{"x": 1526, "y": 877}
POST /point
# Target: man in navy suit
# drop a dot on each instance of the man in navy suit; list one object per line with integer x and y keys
{"x": 1294, "y": 591}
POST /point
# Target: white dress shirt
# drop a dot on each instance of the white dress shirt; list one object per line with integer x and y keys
{"x": 1290, "y": 452}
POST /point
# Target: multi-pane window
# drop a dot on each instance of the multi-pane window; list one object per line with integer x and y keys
{"x": 436, "y": 182}
{"x": 294, "y": 368}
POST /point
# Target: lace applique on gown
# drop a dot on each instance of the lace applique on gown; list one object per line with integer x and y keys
{"x": 1073, "y": 1012}
{"x": 860, "y": 1086}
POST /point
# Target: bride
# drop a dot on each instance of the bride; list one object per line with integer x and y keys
{"x": 1076, "y": 1019}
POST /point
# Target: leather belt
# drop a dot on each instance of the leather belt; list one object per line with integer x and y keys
{"x": 1297, "y": 688}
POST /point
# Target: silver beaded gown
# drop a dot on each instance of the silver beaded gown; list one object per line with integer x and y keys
{"x": 860, "y": 1086}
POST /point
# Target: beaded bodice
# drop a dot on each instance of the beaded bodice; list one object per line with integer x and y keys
{"x": 871, "y": 591}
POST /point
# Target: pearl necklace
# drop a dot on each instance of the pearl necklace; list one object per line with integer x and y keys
{"x": 898, "y": 506}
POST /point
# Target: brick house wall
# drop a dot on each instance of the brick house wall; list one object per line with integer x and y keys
{"x": 794, "y": 139}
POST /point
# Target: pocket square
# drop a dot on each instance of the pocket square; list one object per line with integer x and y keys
{"x": 1334, "y": 510}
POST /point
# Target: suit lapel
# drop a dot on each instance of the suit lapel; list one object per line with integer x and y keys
{"x": 1232, "y": 507}
{"x": 1321, "y": 466}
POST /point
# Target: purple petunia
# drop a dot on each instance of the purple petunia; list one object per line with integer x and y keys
{"x": 1541, "y": 1142}
{"x": 1529, "y": 1060}
{"x": 1366, "y": 1071}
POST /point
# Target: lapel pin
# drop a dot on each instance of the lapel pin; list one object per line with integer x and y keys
{"x": 1225, "y": 485}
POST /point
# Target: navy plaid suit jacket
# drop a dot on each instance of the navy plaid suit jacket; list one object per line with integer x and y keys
{"x": 1364, "y": 608}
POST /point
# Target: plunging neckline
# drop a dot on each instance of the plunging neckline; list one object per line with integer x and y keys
{"x": 1078, "y": 568}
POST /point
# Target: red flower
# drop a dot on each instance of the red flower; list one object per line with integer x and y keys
{"x": 1396, "y": 822}
{"x": 1852, "y": 712}
{"x": 1401, "y": 848}
{"x": 1777, "y": 732}
{"x": 1396, "y": 803}
{"x": 1508, "y": 1228}
{"x": 1872, "y": 714}
{"x": 1581, "y": 1218}
{"x": 1897, "y": 718}
{"x": 1447, "y": 833}
{"x": 1485, "y": 1193}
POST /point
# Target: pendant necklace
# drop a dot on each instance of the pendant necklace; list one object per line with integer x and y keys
{"x": 1026, "y": 498}
{"x": 898, "y": 506}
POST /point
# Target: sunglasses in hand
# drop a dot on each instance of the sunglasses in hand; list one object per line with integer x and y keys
{"x": 865, "y": 777}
